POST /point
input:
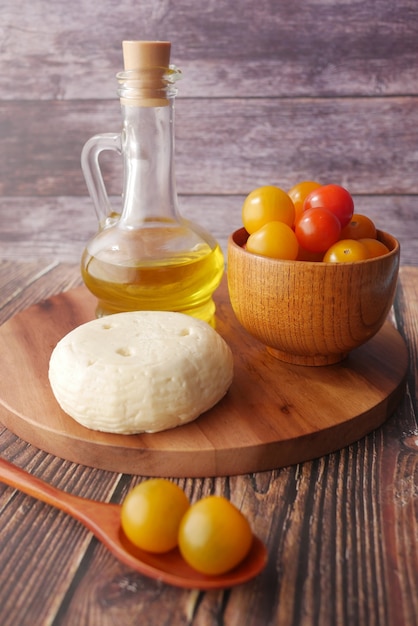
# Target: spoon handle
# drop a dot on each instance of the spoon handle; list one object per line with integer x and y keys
{"x": 82, "y": 509}
{"x": 103, "y": 520}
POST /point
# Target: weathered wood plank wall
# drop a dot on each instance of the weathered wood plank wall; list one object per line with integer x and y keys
{"x": 273, "y": 92}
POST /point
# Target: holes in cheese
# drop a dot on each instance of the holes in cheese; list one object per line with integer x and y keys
{"x": 141, "y": 371}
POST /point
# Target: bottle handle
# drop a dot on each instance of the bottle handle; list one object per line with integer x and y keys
{"x": 92, "y": 172}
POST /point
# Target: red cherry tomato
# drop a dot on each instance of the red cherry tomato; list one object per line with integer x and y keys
{"x": 317, "y": 229}
{"x": 333, "y": 198}
{"x": 305, "y": 255}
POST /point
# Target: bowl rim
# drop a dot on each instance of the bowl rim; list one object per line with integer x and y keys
{"x": 243, "y": 235}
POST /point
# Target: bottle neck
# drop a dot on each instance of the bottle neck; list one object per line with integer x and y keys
{"x": 147, "y": 101}
{"x": 149, "y": 180}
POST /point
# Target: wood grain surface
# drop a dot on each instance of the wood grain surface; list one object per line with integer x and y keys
{"x": 272, "y": 92}
{"x": 341, "y": 529}
{"x": 264, "y": 421}
{"x": 285, "y": 49}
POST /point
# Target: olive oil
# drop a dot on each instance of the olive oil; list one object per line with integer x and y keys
{"x": 146, "y": 256}
{"x": 184, "y": 282}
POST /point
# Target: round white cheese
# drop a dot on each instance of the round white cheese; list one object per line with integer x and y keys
{"x": 142, "y": 371}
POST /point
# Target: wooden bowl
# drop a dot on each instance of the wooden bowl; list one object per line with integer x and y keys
{"x": 311, "y": 313}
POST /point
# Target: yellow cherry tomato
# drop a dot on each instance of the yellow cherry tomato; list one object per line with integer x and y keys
{"x": 299, "y": 192}
{"x": 374, "y": 247}
{"x": 276, "y": 240}
{"x": 214, "y": 536}
{"x": 359, "y": 227}
{"x": 151, "y": 514}
{"x": 267, "y": 204}
{"x": 346, "y": 251}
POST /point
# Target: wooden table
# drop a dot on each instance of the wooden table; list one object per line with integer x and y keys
{"x": 341, "y": 530}
{"x": 273, "y": 93}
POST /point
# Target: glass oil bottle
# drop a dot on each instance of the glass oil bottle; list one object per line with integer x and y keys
{"x": 146, "y": 256}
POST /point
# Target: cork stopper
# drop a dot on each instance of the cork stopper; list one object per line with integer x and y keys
{"x": 140, "y": 55}
{"x": 147, "y": 61}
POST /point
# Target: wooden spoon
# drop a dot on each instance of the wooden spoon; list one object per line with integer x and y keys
{"x": 103, "y": 520}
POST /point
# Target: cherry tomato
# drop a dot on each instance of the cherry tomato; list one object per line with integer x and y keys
{"x": 359, "y": 227}
{"x": 299, "y": 192}
{"x": 267, "y": 204}
{"x": 346, "y": 251}
{"x": 305, "y": 255}
{"x": 334, "y": 198}
{"x": 274, "y": 239}
{"x": 151, "y": 514}
{"x": 374, "y": 247}
{"x": 317, "y": 229}
{"x": 214, "y": 535}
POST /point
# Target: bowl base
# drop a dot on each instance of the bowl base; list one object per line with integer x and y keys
{"x": 301, "y": 359}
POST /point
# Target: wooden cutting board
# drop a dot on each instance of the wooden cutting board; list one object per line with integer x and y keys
{"x": 274, "y": 414}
